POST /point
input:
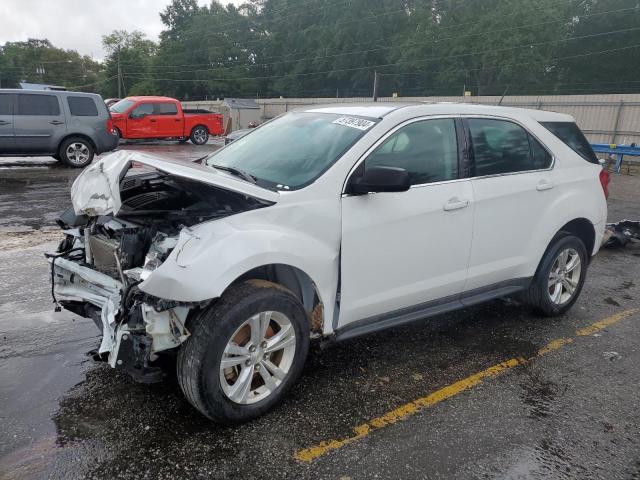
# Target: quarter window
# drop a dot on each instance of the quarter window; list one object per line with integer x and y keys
{"x": 166, "y": 108}
{"x": 427, "y": 150}
{"x": 29, "y": 104}
{"x": 504, "y": 147}
{"x": 571, "y": 135}
{"x": 82, "y": 107}
{"x": 5, "y": 104}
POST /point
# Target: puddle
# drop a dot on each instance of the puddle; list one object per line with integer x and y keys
{"x": 538, "y": 394}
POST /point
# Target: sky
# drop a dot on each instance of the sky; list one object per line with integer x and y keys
{"x": 80, "y": 24}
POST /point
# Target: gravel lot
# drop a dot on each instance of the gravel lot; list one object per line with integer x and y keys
{"x": 488, "y": 392}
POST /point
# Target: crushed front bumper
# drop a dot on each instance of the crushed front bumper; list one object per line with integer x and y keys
{"x": 131, "y": 335}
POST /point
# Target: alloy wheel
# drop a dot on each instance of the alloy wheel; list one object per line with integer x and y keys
{"x": 200, "y": 136}
{"x": 564, "y": 276}
{"x": 257, "y": 357}
{"x": 77, "y": 153}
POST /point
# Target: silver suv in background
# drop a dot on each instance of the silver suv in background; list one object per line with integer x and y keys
{"x": 69, "y": 126}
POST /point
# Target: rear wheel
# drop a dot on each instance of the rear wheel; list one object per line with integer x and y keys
{"x": 76, "y": 152}
{"x": 244, "y": 352}
{"x": 199, "y": 135}
{"x": 560, "y": 277}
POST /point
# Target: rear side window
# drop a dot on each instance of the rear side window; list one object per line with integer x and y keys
{"x": 29, "y": 104}
{"x": 573, "y": 137}
{"x": 501, "y": 147}
{"x": 5, "y": 104}
{"x": 82, "y": 107}
{"x": 166, "y": 108}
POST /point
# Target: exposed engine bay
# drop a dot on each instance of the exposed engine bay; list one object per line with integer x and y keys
{"x": 98, "y": 266}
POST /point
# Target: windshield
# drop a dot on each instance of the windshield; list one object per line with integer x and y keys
{"x": 121, "y": 106}
{"x": 293, "y": 150}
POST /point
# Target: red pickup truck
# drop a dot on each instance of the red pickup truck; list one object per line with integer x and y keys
{"x": 163, "y": 117}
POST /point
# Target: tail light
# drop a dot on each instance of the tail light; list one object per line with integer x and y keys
{"x": 109, "y": 126}
{"x": 605, "y": 178}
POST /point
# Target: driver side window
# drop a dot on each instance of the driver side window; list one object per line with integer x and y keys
{"x": 427, "y": 150}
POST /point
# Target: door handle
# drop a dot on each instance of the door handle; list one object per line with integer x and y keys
{"x": 455, "y": 204}
{"x": 176, "y": 119}
{"x": 56, "y": 122}
{"x": 544, "y": 185}
{"x": 152, "y": 120}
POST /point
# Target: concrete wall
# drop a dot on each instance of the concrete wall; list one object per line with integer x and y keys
{"x": 240, "y": 118}
{"x": 611, "y": 118}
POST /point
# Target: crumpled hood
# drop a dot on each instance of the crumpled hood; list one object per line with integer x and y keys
{"x": 96, "y": 191}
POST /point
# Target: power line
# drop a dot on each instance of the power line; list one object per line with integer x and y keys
{"x": 359, "y": 52}
{"x": 340, "y": 23}
{"x": 369, "y": 67}
{"x": 94, "y": 83}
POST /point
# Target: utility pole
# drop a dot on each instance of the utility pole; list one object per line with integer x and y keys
{"x": 375, "y": 85}
{"x": 40, "y": 72}
{"x": 119, "y": 74}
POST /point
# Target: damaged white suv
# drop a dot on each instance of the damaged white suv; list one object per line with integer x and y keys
{"x": 329, "y": 222}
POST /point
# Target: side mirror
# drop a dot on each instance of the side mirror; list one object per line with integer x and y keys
{"x": 381, "y": 179}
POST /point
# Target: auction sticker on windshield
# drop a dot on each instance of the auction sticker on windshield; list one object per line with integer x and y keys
{"x": 355, "y": 122}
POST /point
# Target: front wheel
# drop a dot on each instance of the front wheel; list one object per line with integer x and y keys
{"x": 560, "y": 277}
{"x": 244, "y": 352}
{"x": 76, "y": 152}
{"x": 199, "y": 135}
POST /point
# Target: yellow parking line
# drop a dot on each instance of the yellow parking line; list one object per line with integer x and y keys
{"x": 413, "y": 407}
{"x": 604, "y": 323}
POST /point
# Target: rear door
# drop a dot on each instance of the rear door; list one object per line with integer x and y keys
{"x": 169, "y": 120}
{"x": 38, "y": 123}
{"x": 7, "y": 144}
{"x": 512, "y": 182}
{"x": 141, "y": 121}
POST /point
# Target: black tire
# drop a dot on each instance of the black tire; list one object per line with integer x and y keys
{"x": 199, "y": 357}
{"x": 78, "y": 144}
{"x": 538, "y": 296}
{"x": 118, "y": 134}
{"x": 199, "y": 135}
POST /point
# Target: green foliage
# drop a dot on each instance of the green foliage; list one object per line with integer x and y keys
{"x": 130, "y": 48}
{"x": 328, "y": 47}
{"x": 37, "y": 61}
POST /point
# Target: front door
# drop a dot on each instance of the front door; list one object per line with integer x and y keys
{"x": 6, "y": 123}
{"x": 141, "y": 122}
{"x": 403, "y": 250}
{"x": 38, "y": 123}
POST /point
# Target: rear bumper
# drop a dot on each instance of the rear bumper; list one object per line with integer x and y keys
{"x": 599, "y": 228}
{"x": 106, "y": 142}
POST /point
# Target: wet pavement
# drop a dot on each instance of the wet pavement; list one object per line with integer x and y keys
{"x": 573, "y": 412}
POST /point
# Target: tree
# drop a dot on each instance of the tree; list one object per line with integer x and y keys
{"x": 135, "y": 54}
{"x": 37, "y": 61}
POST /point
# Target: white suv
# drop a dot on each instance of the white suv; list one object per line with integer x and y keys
{"x": 328, "y": 222}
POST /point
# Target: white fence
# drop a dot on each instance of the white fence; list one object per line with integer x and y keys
{"x": 610, "y": 118}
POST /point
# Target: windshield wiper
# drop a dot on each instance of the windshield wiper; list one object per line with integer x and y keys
{"x": 237, "y": 172}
